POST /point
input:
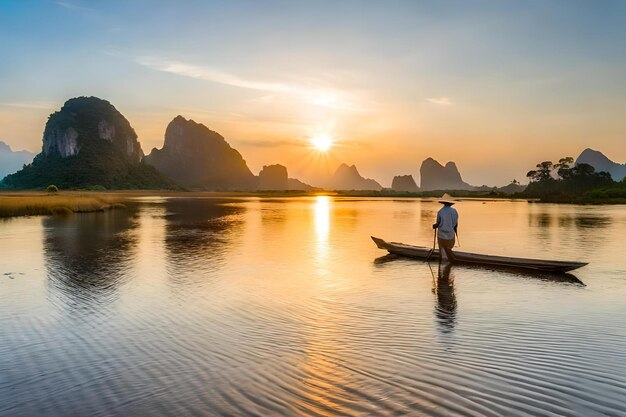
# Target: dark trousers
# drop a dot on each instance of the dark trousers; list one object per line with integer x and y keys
{"x": 446, "y": 245}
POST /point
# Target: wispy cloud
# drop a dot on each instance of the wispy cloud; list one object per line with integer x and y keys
{"x": 312, "y": 95}
{"x": 442, "y": 101}
{"x": 210, "y": 74}
{"x": 29, "y": 104}
{"x": 75, "y": 7}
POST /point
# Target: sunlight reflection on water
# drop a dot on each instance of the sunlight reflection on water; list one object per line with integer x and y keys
{"x": 261, "y": 306}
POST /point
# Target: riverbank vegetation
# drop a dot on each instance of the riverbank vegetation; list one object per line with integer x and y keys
{"x": 386, "y": 192}
{"x": 566, "y": 182}
{"x": 35, "y": 204}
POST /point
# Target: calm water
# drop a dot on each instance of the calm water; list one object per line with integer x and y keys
{"x": 189, "y": 307}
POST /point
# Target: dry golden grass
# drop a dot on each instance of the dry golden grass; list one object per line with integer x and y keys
{"x": 33, "y": 204}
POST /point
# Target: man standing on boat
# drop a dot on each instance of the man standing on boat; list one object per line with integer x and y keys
{"x": 447, "y": 224}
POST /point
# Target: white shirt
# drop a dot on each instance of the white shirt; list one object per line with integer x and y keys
{"x": 447, "y": 220}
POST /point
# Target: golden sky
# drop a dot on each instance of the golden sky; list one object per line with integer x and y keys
{"x": 495, "y": 88}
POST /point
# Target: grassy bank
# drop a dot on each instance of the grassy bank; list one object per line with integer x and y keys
{"x": 34, "y": 204}
{"x": 580, "y": 200}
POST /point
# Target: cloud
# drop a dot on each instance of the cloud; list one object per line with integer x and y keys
{"x": 312, "y": 95}
{"x": 30, "y": 104}
{"x": 442, "y": 101}
{"x": 210, "y": 74}
{"x": 71, "y": 6}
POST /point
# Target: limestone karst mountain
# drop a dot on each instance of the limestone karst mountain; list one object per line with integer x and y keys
{"x": 88, "y": 142}
{"x": 296, "y": 184}
{"x": 602, "y": 163}
{"x": 512, "y": 188}
{"x": 348, "y": 178}
{"x": 276, "y": 178}
{"x": 11, "y": 161}
{"x": 197, "y": 157}
{"x": 404, "y": 183}
{"x": 434, "y": 176}
{"x": 273, "y": 177}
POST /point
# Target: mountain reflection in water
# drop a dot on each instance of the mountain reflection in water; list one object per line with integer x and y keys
{"x": 88, "y": 256}
{"x": 283, "y": 306}
{"x": 198, "y": 234}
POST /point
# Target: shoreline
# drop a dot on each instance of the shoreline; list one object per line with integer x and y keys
{"x": 16, "y": 204}
{"x": 40, "y": 203}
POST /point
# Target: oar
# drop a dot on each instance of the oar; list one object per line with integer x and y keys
{"x": 433, "y": 249}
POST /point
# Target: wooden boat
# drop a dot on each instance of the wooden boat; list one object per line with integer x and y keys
{"x": 421, "y": 252}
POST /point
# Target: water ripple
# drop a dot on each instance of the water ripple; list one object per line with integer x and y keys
{"x": 226, "y": 307}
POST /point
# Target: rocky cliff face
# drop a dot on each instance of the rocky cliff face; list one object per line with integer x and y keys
{"x": 11, "y": 161}
{"x": 348, "y": 178}
{"x": 61, "y": 142}
{"x": 273, "y": 177}
{"x": 601, "y": 163}
{"x": 404, "y": 183}
{"x": 88, "y": 143}
{"x": 85, "y": 121}
{"x": 276, "y": 178}
{"x": 435, "y": 176}
{"x": 196, "y": 157}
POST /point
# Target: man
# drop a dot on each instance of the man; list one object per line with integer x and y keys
{"x": 447, "y": 223}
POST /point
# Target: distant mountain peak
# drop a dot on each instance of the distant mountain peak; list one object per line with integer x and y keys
{"x": 11, "y": 161}
{"x": 404, "y": 183}
{"x": 275, "y": 177}
{"x": 589, "y": 153}
{"x": 602, "y": 163}
{"x": 347, "y": 177}
{"x": 195, "y": 156}
{"x": 345, "y": 167}
{"x": 434, "y": 176}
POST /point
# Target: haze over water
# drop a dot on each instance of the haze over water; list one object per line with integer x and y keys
{"x": 268, "y": 306}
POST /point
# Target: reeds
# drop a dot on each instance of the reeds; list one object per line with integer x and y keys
{"x": 58, "y": 204}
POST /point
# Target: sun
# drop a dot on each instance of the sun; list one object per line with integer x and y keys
{"x": 322, "y": 143}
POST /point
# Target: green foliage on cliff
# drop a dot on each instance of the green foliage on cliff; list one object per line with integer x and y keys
{"x": 109, "y": 160}
{"x": 97, "y": 165}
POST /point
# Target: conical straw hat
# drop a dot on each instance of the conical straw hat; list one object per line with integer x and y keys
{"x": 446, "y": 199}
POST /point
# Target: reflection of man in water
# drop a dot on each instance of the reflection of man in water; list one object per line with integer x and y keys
{"x": 447, "y": 223}
{"x": 445, "y": 310}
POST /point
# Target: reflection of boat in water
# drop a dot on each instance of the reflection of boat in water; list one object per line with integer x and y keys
{"x": 421, "y": 252}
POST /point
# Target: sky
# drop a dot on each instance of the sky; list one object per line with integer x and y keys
{"x": 495, "y": 86}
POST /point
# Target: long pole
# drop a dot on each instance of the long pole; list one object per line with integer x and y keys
{"x": 433, "y": 249}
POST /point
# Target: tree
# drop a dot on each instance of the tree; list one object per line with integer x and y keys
{"x": 542, "y": 173}
{"x": 572, "y": 181}
{"x": 564, "y": 169}
{"x": 583, "y": 170}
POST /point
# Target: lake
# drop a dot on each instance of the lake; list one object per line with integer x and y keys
{"x": 270, "y": 306}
